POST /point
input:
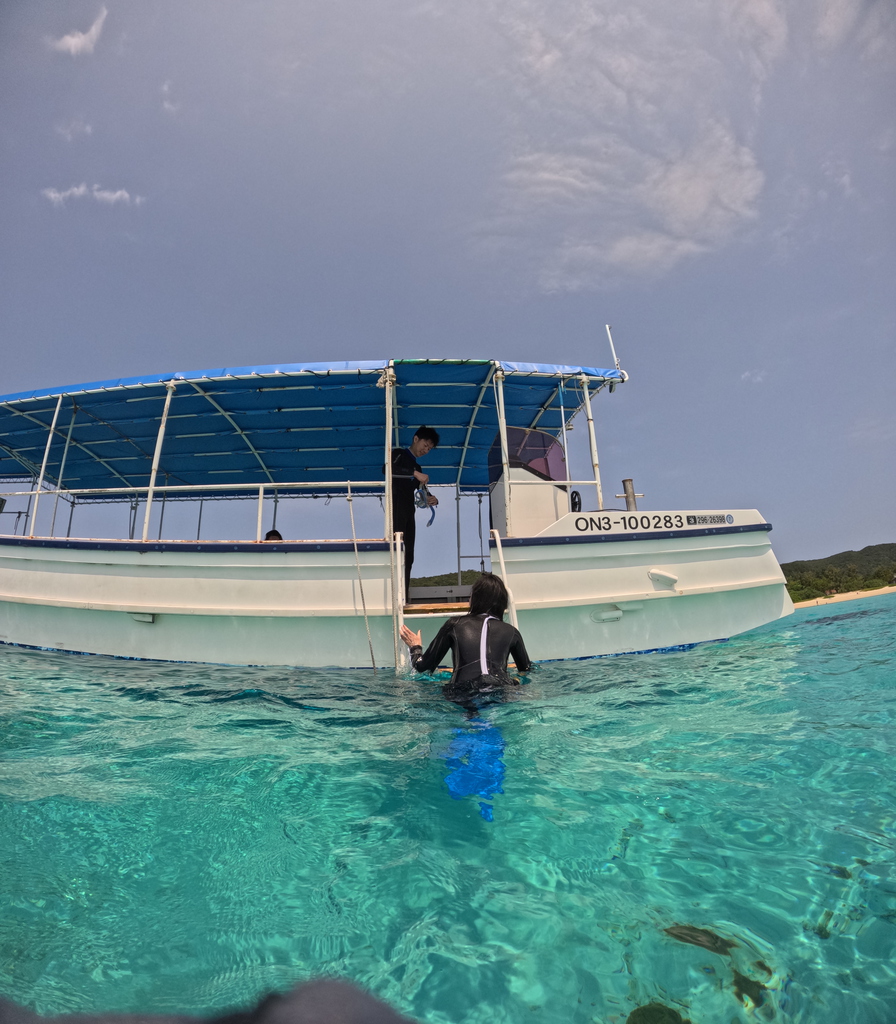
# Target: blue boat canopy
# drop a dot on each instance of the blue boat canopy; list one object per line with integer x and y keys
{"x": 290, "y": 423}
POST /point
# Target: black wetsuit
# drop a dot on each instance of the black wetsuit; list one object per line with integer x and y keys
{"x": 463, "y": 637}
{"x": 404, "y": 483}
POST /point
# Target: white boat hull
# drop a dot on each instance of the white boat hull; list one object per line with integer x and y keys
{"x": 578, "y": 593}
{"x": 581, "y": 592}
{"x": 220, "y": 603}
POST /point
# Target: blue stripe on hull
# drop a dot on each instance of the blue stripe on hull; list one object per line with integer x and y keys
{"x": 355, "y": 668}
{"x": 172, "y": 661}
{"x": 259, "y": 547}
{"x": 603, "y": 538}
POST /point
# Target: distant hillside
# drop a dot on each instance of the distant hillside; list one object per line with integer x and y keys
{"x": 447, "y": 579}
{"x": 868, "y": 569}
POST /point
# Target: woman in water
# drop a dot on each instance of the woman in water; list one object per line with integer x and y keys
{"x": 480, "y": 643}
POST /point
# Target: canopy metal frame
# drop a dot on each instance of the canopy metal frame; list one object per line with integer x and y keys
{"x": 468, "y": 401}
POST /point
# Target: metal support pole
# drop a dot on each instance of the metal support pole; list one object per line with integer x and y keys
{"x": 457, "y": 510}
{"x": 28, "y": 506}
{"x": 260, "y": 520}
{"x": 398, "y": 600}
{"x": 27, "y": 512}
{"x": 157, "y": 454}
{"x": 388, "y": 382}
{"x": 505, "y": 456}
{"x": 68, "y": 439}
{"x": 43, "y": 465}
{"x": 564, "y": 442}
{"x": 162, "y": 513}
{"x": 481, "y": 551}
{"x": 612, "y": 347}
{"x": 628, "y": 492}
{"x": 592, "y": 441}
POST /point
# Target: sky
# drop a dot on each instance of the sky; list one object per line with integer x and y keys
{"x": 229, "y": 182}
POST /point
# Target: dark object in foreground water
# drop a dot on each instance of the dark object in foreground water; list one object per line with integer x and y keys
{"x": 746, "y": 986}
{"x": 655, "y": 1013}
{"x": 317, "y": 1002}
{"x": 701, "y": 937}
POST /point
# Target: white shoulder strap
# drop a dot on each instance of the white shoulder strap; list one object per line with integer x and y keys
{"x": 483, "y": 639}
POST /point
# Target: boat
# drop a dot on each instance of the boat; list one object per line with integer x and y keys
{"x": 585, "y": 580}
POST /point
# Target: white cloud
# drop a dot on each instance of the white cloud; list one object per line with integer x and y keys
{"x": 74, "y": 129}
{"x": 874, "y": 429}
{"x": 167, "y": 102}
{"x": 634, "y": 150}
{"x": 838, "y": 174}
{"x": 836, "y": 18}
{"x": 102, "y": 195}
{"x": 578, "y": 264}
{"x": 754, "y": 376}
{"x": 76, "y": 43}
{"x": 58, "y": 198}
{"x": 886, "y": 140}
{"x": 758, "y": 30}
{"x": 869, "y": 23}
{"x": 650, "y": 251}
{"x": 105, "y": 195}
{"x": 556, "y": 177}
{"x": 705, "y": 192}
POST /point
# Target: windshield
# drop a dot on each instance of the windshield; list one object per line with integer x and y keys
{"x": 534, "y": 450}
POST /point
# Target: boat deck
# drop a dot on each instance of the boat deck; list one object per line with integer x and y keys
{"x": 441, "y": 608}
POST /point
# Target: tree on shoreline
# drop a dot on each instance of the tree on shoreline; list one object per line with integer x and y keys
{"x": 872, "y": 567}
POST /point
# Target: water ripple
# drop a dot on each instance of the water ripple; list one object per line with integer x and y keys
{"x": 711, "y": 829}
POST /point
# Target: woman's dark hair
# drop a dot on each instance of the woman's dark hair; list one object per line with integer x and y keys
{"x": 273, "y": 535}
{"x": 489, "y": 596}
{"x": 427, "y": 434}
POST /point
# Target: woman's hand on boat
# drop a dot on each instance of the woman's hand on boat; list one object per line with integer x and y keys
{"x": 411, "y": 639}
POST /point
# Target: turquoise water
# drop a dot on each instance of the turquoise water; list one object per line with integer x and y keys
{"x": 713, "y": 830}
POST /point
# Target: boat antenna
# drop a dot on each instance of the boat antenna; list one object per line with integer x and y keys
{"x": 613, "y": 348}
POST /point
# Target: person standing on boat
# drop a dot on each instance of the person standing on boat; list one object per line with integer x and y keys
{"x": 481, "y": 643}
{"x": 407, "y": 477}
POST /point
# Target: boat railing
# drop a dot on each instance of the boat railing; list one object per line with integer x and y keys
{"x": 396, "y": 561}
{"x": 198, "y": 490}
{"x": 552, "y": 483}
{"x": 511, "y": 606}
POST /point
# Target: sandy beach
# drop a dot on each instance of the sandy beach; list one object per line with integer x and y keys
{"x": 851, "y": 596}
